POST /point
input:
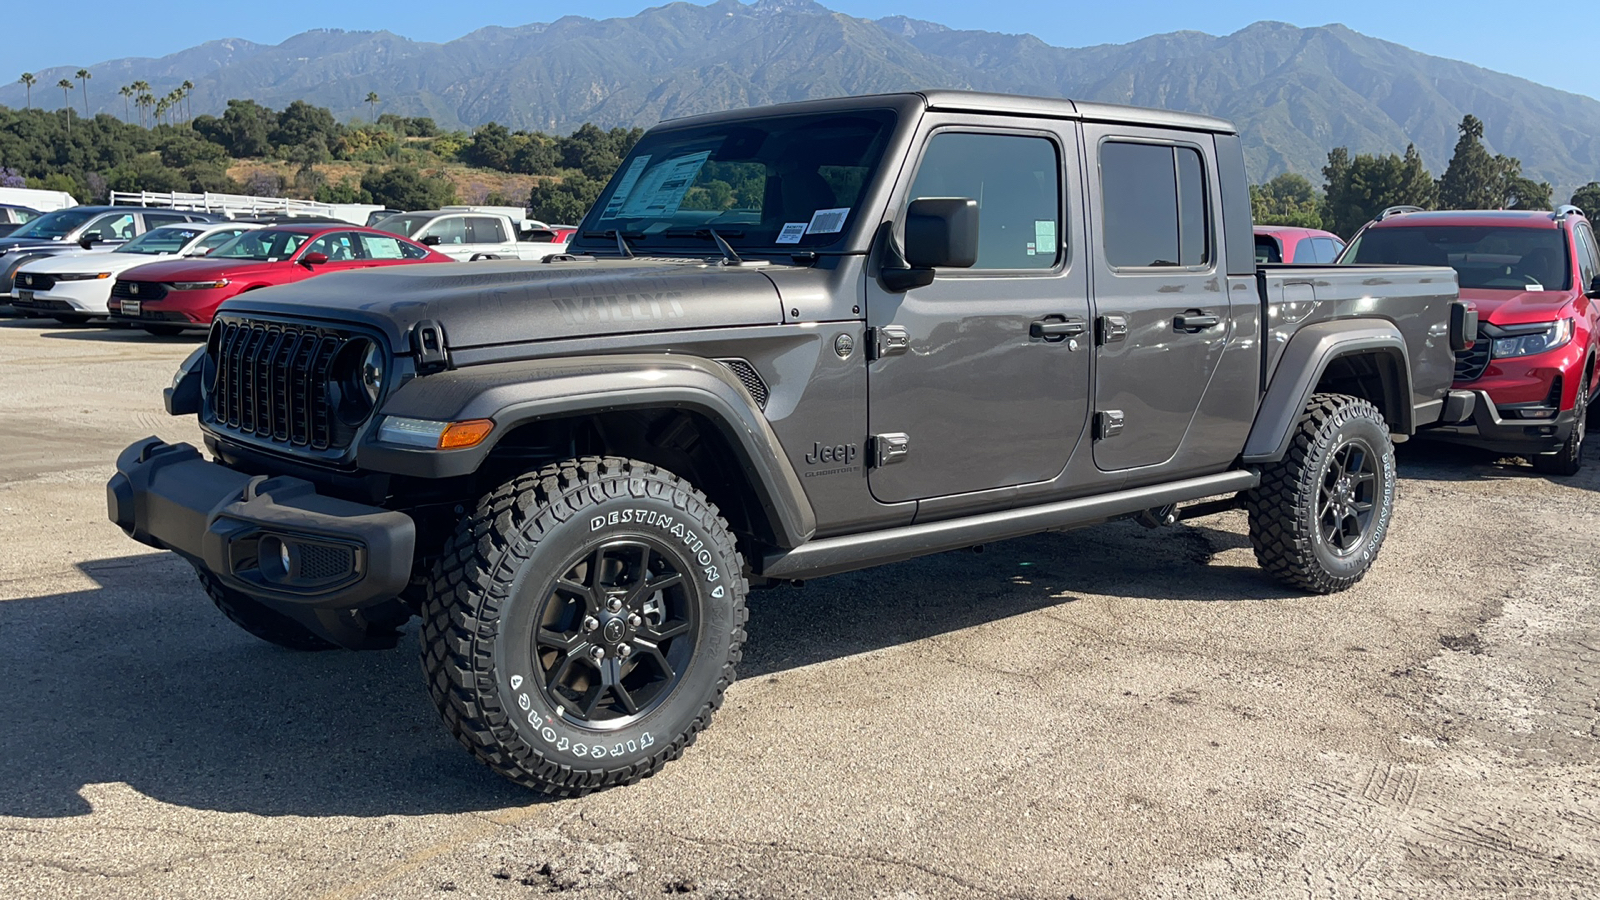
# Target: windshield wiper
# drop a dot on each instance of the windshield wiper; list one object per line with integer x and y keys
{"x": 622, "y": 239}
{"x": 729, "y": 257}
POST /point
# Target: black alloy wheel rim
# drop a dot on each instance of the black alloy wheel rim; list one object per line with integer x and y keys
{"x": 1346, "y": 498}
{"x": 616, "y": 633}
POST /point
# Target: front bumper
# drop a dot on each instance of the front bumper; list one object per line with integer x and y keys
{"x": 274, "y": 539}
{"x": 191, "y": 309}
{"x": 87, "y": 297}
{"x": 1503, "y": 430}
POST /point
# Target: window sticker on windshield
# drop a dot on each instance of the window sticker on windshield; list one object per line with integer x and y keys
{"x": 625, "y": 186}
{"x": 661, "y": 190}
{"x": 828, "y": 221}
{"x": 1044, "y": 236}
{"x": 792, "y": 232}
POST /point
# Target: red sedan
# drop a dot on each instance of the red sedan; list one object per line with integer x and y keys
{"x": 168, "y": 297}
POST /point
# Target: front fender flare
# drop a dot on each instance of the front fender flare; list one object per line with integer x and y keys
{"x": 517, "y": 393}
{"x": 1301, "y": 367}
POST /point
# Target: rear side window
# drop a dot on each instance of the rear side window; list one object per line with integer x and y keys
{"x": 1156, "y": 212}
{"x": 156, "y": 220}
{"x": 484, "y": 230}
{"x": 1267, "y": 250}
{"x": 1016, "y": 180}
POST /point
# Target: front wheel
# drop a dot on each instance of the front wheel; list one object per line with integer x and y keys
{"x": 1568, "y": 458}
{"x": 1320, "y": 514}
{"x": 583, "y": 623}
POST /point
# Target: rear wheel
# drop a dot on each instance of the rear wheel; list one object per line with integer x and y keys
{"x": 583, "y": 624}
{"x": 1320, "y": 514}
{"x": 1568, "y": 459}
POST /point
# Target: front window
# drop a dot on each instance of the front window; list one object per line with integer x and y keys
{"x": 1016, "y": 181}
{"x": 1484, "y": 257}
{"x": 261, "y": 246}
{"x": 1267, "y": 249}
{"x": 161, "y": 241}
{"x": 113, "y": 227}
{"x": 55, "y": 225}
{"x": 784, "y": 184}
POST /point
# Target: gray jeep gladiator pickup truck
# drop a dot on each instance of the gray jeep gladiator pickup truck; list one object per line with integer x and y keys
{"x": 786, "y": 342}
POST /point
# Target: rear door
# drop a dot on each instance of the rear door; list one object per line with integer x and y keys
{"x": 978, "y": 400}
{"x": 1163, "y": 310}
{"x": 385, "y": 250}
{"x": 487, "y": 234}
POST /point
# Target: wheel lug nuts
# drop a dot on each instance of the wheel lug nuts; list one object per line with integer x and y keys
{"x": 623, "y": 650}
{"x": 635, "y": 621}
{"x": 591, "y": 623}
{"x": 615, "y": 604}
{"x": 597, "y": 652}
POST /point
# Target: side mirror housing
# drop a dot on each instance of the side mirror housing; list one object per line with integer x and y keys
{"x": 90, "y": 239}
{"x": 432, "y": 240}
{"x": 940, "y": 232}
{"x": 1463, "y": 325}
{"x": 313, "y": 259}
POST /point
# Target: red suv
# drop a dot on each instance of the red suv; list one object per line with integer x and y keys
{"x": 1534, "y": 277}
{"x": 1300, "y": 246}
{"x": 168, "y": 297}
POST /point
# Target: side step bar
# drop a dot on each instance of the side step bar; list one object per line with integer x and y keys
{"x": 830, "y": 556}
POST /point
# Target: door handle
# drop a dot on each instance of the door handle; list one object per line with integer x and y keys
{"x": 1055, "y": 329}
{"x": 1195, "y": 320}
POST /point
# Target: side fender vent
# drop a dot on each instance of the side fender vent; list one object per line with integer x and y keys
{"x": 750, "y": 378}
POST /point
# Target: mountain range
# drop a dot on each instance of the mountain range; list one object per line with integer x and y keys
{"x": 1294, "y": 92}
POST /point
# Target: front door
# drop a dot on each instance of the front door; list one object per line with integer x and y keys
{"x": 983, "y": 395}
{"x": 1162, "y": 301}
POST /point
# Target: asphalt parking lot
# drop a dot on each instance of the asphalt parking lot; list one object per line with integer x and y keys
{"x": 1110, "y": 713}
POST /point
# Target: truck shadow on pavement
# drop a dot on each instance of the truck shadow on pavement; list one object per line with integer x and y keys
{"x": 141, "y": 681}
{"x": 1428, "y": 460}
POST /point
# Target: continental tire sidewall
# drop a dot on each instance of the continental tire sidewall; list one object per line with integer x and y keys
{"x": 1362, "y": 422}
{"x": 701, "y": 549}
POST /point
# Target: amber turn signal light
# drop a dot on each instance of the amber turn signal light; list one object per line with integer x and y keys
{"x": 470, "y": 433}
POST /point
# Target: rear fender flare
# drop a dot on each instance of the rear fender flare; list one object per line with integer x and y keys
{"x": 1306, "y": 359}
{"x": 518, "y": 393}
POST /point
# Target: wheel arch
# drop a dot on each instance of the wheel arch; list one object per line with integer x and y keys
{"x": 686, "y": 414}
{"x": 1364, "y": 358}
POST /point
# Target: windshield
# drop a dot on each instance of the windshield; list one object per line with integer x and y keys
{"x": 54, "y": 225}
{"x": 405, "y": 226}
{"x": 787, "y": 183}
{"x": 161, "y": 241}
{"x": 261, "y": 246}
{"x": 1484, "y": 257}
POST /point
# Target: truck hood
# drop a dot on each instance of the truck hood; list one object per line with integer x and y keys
{"x": 1517, "y": 307}
{"x": 187, "y": 269}
{"x": 511, "y": 302}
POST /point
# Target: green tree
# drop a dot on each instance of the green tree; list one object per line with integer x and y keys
{"x": 28, "y": 81}
{"x": 83, "y": 82}
{"x": 492, "y": 146}
{"x": 187, "y": 88}
{"x": 1360, "y": 188}
{"x": 141, "y": 90}
{"x": 1473, "y": 180}
{"x": 372, "y": 106}
{"x": 403, "y": 187}
{"x": 1587, "y": 198}
{"x": 566, "y": 200}
{"x": 241, "y": 130}
{"x": 1288, "y": 199}
{"x": 299, "y": 123}
{"x": 126, "y": 92}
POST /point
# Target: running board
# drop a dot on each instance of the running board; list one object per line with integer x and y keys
{"x": 830, "y": 556}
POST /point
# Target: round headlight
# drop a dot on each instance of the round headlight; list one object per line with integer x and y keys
{"x": 372, "y": 372}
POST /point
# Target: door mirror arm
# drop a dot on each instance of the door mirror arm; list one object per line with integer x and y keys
{"x": 895, "y": 274}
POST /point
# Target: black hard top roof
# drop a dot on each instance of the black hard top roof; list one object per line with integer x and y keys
{"x": 978, "y": 102}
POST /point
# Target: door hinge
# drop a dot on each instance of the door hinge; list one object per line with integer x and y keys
{"x": 1111, "y": 329}
{"x": 889, "y": 448}
{"x": 890, "y": 340}
{"x": 1107, "y": 423}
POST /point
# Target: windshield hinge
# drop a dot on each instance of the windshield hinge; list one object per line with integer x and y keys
{"x": 427, "y": 342}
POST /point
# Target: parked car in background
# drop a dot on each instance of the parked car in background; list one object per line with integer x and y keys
{"x": 378, "y": 215}
{"x": 1534, "y": 277}
{"x": 81, "y": 228}
{"x": 1299, "y": 246}
{"x": 469, "y": 236}
{"x": 75, "y": 287}
{"x": 171, "y": 296}
{"x": 13, "y": 217}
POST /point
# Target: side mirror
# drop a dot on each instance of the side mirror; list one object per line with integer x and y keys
{"x": 1463, "y": 325}
{"x": 941, "y": 232}
{"x": 432, "y": 240}
{"x": 90, "y": 239}
{"x": 1594, "y": 288}
{"x": 313, "y": 259}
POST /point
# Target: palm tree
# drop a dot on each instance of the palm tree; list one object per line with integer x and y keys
{"x": 28, "y": 81}
{"x": 188, "y": 86}
{"x": 142, "y": 88}
{"x": 144, "y": 102}
{"x": 66, "y": 100}
{"x": 372, "y": 105}
{"x": 161, "y": 108}
{"x": 83, "y": 81}
{"x": 126, "y": 91}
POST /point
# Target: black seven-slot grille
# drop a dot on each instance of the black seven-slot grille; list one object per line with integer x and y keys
{"x": 1471, "y": 362}
{"x": 272, "y": 381}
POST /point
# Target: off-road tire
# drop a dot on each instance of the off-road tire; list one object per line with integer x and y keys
{"x": 262, "y": 621}
{"x": 484, "y": 624}
{"x": 1567, "y": 459}
{"x": 1286, "y": 516}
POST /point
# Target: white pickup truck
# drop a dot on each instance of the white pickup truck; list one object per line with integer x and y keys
{"x": 467, "y": 235}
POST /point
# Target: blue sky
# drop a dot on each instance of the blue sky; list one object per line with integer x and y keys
{"x": 83, "y": 32}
